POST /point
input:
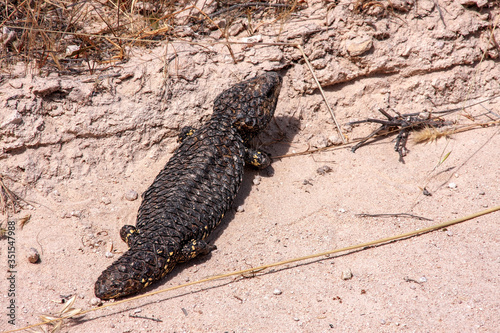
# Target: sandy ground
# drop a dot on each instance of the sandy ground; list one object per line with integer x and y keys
{"x": 75, "y": 146}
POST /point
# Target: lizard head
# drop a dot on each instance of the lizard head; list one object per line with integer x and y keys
{"x": 250, "y": 103}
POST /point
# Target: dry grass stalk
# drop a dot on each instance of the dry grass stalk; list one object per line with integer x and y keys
{"x": 3, "y": 230}
{"x": 24, "y": 220}
{"x": 51, "y": 323}
{"x": 8, "y": 199}
{"x": 322, "y": 93}
{"x": 456, "y": 129}
{"x": 430, "y": 134}
{"x": 67, "y": 37}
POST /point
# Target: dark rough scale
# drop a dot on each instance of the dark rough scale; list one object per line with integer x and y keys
{"x": 189, "y": 197}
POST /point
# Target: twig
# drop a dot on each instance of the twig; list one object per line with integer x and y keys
{"x": 8, "y": 198}
{"x": 321, "y": 91}
{"x": 395, "y": 215}
{"x": 450, "y": 111}
{"x": 144, "y": 317}
{"x": 404, "y": 124}
{"x": 407, "y": 279}
{"x": 457, "y": 129}
{"x": 440, "y": 13}
{"x": 250, "y": 4}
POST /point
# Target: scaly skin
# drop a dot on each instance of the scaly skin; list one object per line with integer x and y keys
{"x": 189, "y": 197}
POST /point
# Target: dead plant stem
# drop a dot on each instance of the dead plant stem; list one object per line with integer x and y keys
{"x": 321, "y": 91}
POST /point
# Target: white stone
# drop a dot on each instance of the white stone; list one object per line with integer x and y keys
{"x": 359, "y": 45}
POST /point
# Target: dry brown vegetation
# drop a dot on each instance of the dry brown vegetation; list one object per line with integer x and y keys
{"x": 85, "y": 36}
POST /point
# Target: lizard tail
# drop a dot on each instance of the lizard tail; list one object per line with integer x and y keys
{"x": 135, "y": 270}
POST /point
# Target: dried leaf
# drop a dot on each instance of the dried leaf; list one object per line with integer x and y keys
{"x": 47, "y": 318}
{"x": 444, "y": 158}
{"x": 72, "y": 312}
{"x": 57, "y": 326}
{"x": 68, "y": 304}
{"x": 24, "y": 220}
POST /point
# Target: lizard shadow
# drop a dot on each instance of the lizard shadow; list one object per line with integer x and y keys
{"x": 279, "y": 146}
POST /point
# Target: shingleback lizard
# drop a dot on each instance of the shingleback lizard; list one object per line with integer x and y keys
{"x": 188, "y": 198}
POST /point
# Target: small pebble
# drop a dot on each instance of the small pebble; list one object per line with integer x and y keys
{"x": 482, "y": 193}
{"x": 277, "y": 292}
{"x": 449, "y": 233}
{"x": 323, "y": 170}
{"x": 346, "y": 275}
{"x": 422, "y": 279}
{"x": 334, "y": 140}
{"x": 256, "y": 180}
{"x": 76, "y": 213}
{"x": 131, "y": 195}
{"x": 452, "y": 185}
{"x": 347, "y": 128}
{"x": 342, "y": 210}
{"x": 240, "y": 209}
{"x": 72, "y": 49}
{"x": 109, "y": 255}
{"x": 15, "y": 119}
{"x": 95, "y": 301}
{"x": 296, "y": 319}
{"x": 106, "y": 200}
{"x": 33, "y": 255}
{"x": 358, "y": 45}
{"x": 424, "y": 115}
{"x": 252, "y": 39}
{"x": 320, "y": 142}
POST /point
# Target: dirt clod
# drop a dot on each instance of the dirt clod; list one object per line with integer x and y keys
{"x": 346, "y": 274}
{"x": 131, "y": 195}
{"x": 33, "y": 255}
